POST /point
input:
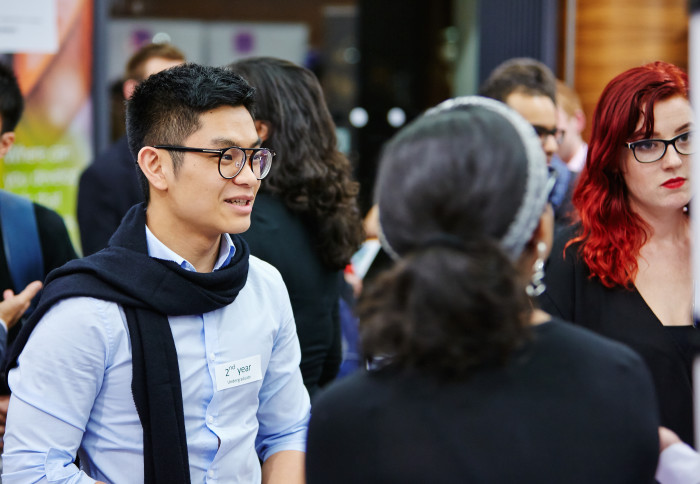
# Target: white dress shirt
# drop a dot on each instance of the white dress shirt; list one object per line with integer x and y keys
{"x": 678, "y": 464}
{"x": 71, "y": 391}
{"x": 578, "y": 161}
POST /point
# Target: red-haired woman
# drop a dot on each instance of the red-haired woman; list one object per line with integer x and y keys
{"x": 625, "y": 270}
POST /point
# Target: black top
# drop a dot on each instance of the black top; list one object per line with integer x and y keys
{"x": 108, "y": 188}
{"x": 623, "y": 315}
{"x": 55, "y": 245}
{"x": 281, "y": 238}
{"x": 571, "y": 407}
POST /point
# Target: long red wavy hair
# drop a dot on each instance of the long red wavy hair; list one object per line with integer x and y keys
{"x": 611, "y": 232}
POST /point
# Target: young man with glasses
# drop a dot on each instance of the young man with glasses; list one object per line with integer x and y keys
{"x": 529, "y": 87}
{"x": 172, "y": 355}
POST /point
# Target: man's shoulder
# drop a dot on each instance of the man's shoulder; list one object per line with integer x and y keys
{"x": 77, "y": 305}
{"x": 46, "y": 215}
{"x": 53, "y": 235}
{"x": 263, "y": 272}
{"x": 265, "y": 282}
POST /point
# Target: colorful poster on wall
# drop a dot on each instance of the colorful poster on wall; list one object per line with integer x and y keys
{"x": 54, "y": 137}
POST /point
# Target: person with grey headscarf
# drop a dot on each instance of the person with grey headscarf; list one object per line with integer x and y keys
{"x": 469, "y": 381}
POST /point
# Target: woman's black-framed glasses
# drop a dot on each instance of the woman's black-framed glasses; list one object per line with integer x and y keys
{"x": 651, "y": 150}
{"x": 233, "y": 159}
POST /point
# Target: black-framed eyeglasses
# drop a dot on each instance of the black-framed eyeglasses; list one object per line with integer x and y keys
{"x": 543, "y": 133}
{"x": 233, "y": 159}
{"x": 651, "y": 150}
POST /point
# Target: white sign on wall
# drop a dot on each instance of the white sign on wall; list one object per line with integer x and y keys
{"x": 126, "y": 36}
{"x": 232, "y": 41}
{"x": 209, "y": 43}
{"x": 28, "y": 26}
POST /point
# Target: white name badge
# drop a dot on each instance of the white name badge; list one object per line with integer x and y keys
{"x": 237, "y": 373}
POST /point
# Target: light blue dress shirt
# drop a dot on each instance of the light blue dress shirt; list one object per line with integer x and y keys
{"x": 71, "y": 391}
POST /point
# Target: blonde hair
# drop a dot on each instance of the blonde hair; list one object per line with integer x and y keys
{"x": 567, "y": 99}
{"x": 135, "y": 65}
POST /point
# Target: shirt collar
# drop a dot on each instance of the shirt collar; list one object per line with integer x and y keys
{"x": 159, "y": 250}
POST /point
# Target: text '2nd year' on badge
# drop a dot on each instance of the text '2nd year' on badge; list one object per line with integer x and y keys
{"x": 239, "y": 372}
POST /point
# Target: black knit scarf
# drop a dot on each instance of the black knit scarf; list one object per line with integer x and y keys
{"x": 149, "y": 290}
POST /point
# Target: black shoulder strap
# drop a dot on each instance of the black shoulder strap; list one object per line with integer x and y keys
{"x": 20, "y": 236}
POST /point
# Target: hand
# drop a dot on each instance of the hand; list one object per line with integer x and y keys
{"x": 667, "y": 438}
{"x": 355, "y": 282}
{"x": 14, "y": 305}
{"x": 371, "y": 222}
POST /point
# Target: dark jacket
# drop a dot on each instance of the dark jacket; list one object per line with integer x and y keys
{"x": 281, "y": 238}
{"x": 108, "y": 188}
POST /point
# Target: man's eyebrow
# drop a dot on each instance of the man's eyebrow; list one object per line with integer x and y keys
{"x": 223, "y": 142}
{"x": 226, "y": 142}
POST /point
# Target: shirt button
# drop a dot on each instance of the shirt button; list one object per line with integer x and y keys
{"x": 210, "y": 419}
{"x": 212, "y": 356}
{"x": 211, "y": 473}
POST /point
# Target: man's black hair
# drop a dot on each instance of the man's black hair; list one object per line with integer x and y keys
{"x": 165, "y": 108}
{"x": 522, "y": 75}
{"x": 11, "y": 101}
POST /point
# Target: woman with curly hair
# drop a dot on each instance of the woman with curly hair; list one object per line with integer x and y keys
{"x": 470, "y": 382}
{"x": 306, "y": 221}
{"x": 625, "y": 270}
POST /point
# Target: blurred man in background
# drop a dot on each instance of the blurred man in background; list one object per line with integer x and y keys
{"x": 572, "y": 121}
{"x": 109, "y": 185}
{"x": 529, "y": 87}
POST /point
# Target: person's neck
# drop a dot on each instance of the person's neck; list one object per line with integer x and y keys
{"x": 666, "y": 224}
{"x": 538, "y": 317}
{"x": 197, "y": 249}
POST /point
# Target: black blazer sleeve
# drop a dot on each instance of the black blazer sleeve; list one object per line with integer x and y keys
{"x": 560, "y": 278}
{"x": 56, "y": 246}
{"x": 108, "y": 188}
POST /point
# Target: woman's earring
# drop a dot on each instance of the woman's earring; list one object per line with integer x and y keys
{"x": 537, "y": 286}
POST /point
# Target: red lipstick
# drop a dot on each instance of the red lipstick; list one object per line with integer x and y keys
{"x": 674, "y": 183}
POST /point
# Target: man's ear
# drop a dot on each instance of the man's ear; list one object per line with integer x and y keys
{"x": 128, "y": 87}
{"x": 6, "y": 142}
{"x": 263, "y": 128}
{"x": 153, "y": 164}
{"x": 580, "y": 120}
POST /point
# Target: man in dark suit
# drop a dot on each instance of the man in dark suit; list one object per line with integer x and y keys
{"x": 109, "y": 186}
{"x": 529, "y": 87}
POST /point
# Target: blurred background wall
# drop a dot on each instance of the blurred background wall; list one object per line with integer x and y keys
{"x": 391, "y": 59}
{"x": 381, "y": 62}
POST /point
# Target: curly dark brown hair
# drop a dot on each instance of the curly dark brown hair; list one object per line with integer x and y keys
{"x": 310, "y": 175}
